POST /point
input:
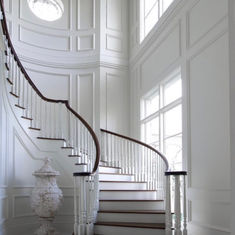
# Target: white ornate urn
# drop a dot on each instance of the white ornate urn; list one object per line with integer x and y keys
{"x": 46, "y": 198}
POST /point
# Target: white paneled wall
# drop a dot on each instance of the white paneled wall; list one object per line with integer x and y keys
{"x": 192, "y": 35}
{"x": 82, "y": 57}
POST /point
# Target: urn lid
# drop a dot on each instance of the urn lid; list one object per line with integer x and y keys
{"x": 46, "y": 169}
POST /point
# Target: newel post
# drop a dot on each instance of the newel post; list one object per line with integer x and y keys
{"x": 82, "y": 200}
{"x": 179, "y": 207}
{"x": 168, "y": 206}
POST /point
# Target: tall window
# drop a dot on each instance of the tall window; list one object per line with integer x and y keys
{"x": 161, "y": 120}
{"x": 150, "y": 12}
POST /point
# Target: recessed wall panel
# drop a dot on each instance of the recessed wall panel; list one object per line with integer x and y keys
{"x": 209, "y": 113}
{"x": 52, "y": 85}
{"x": 86, "y": 14}
{"x": 211, "y": 213}
{"x": 202, "y": 19}
{"x": 86, "y": 90}
{"x": 85, "y": 43}
{"x": 4, "y": 211}
{"x": 3, "y": 156}
{"x": 113, "y": 43}
{"x": 42, "y": 40}
{"x": 22, "y": 171}
{"x": 22, "y": 206}
{"x": 116, "y": 102}
{"x": 114, "y": 15}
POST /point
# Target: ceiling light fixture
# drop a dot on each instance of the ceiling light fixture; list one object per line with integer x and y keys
{"x": 49, "y": 10}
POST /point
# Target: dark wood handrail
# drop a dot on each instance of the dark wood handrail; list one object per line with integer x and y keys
{"x": 141, "y": 143}
{"x": 65, "y": 102}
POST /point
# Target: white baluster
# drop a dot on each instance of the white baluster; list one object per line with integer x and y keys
{"x": 104, "y": 135}
{"x": 122, "y": 156}
{"x": 16, "y": 78}
{"x": 75, "y": 207}
{"x": 132, "y": 158}
{"x": 185, "y": 231}
{"x": 39, "y": 113}
{"x": 177, "y": 206}
{"x": 46, "y": 117}
{"x": 88, "y": 202}
{"x": 19, "y": 87}
{"x": 27, "y": 99}
{"x": 23, "y": 92}
{"x": 168, "y": 206}
{"x": 12, "y": 73}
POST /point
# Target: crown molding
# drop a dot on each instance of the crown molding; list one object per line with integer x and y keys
{"x": 83, "y": 65}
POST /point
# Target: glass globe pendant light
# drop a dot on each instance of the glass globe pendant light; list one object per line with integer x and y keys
{"x": 49, "y": 10}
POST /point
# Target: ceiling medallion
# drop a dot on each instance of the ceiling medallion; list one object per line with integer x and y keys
{"x": 49, "y": 10}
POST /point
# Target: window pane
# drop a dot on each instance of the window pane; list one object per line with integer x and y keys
{"x": 172, "y": 91}
{"x": 173, "y": 152}
{"x": 151, "y": 19}
{"x": 173, "y": 121}
{"x": 152, "y": 131}
{"x": 152, "y": 104}
{"x": 166, "y": 4}
{"x": 148, "y": 4}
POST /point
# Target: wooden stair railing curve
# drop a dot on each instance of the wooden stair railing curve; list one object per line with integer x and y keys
{"x": 134, "y": 157}
{"x": 79, "y": 131}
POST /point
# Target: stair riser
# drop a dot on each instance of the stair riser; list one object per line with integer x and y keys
{"x": 129, "y": 195}
{"x": 117, "y": 205}
{"x": 122, "y": 186}
{"x": 125, "y": 217}
{"x": 102, "y": 163}
{"x": 110, "y": 177}
{"x": 114, "y": 230}
{"x": 48, "y": 145}
{"x": 108, "y": 170}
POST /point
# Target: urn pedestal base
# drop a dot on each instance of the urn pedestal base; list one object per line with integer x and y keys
{"x": 46, "y": 227}
{"x": 46, "y": 198}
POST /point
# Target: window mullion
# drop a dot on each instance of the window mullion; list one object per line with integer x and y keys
{"x": 159, "y": 6}
{"x": 161, "y": 121}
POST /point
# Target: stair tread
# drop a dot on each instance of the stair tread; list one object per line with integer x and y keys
{"x": 133, "y": 211}
{"x": 47, "y": 138}
{"x": 18, "y": 106}
{"x": 132, "y": 224}
{"x": 137, "y": 182}
{"x": 14, "y": 94}
{"x": 110, "y": 167}
{"x": 126, "y": 190}
{"x": 132, "y": 200}
{"x": 9, "y": 81}
{"x": 28, "y": 118}
{"x": 34, "y": 128}
{"x": 104, "y": 173}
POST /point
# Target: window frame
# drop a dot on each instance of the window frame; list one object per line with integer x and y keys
{"x": 161, "y": 111}
{"x": 161, "y": 13}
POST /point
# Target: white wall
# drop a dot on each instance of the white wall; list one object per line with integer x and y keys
{"x": 83, "y": 57}
{"x": 232, "y": 101}
{"x": 193, "y": 35}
